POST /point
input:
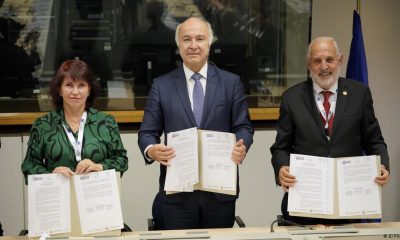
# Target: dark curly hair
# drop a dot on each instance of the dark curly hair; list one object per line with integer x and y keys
{"x": 76, "y": 70}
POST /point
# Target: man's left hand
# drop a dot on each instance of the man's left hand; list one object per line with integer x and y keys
{"x": 239, "y": 152}
{"x": 384, "y": 176}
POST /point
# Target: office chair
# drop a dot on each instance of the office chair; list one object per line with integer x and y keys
{"x": 151, "y": 225}
{"x": 281, "y": 220}
{"x": 126, "y": 228}
{"x": 23, "y": 232}
{"x": 240, "y": 222}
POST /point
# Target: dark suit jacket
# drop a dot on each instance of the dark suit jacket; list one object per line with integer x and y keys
{"x": 355, "y": 128}
{"x": 168, "y": 109}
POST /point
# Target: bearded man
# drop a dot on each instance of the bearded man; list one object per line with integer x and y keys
{"x": 327, "y": 116}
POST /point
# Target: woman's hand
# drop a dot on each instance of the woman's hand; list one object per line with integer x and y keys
{"x": 64, "y": 171}
{"x": 87, "y": 165}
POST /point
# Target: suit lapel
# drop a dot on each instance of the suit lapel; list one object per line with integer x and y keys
{"x": 309, "y": 101}
{"x": 341, "y": 101}
{"x": 211, "y": 90}
{"x": 182, "y": 92}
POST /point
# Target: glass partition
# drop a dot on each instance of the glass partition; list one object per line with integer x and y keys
{"x": 129, "y": 42}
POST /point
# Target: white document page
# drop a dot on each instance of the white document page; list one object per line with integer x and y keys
{"x": 313, "y": 191}
{"x": 49, "y": 208}
{"x": 218, "y": 169}
{"x": 358, "y": 193}
{"x": 183, "y": 171}
{"x": 98, "y": 201}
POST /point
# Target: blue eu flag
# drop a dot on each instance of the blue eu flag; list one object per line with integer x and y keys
{"x": 357, "y": 65}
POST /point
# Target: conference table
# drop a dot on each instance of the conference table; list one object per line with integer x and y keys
{"x": 365, "y": 231}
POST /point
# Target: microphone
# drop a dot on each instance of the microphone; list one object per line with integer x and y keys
{"x": 289, "y": 223}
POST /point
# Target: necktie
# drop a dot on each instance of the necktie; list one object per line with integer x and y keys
{"x": 198, "y": 98}
{"x": 327, "y": 107}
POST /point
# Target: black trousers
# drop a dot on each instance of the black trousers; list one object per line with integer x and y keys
{"x": 199, "y": 210}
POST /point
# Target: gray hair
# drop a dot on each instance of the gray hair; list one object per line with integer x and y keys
{"x": 308, "y": 56}
{"x": 210, "y": 31}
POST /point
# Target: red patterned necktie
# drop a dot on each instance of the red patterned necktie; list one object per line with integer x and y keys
{"x": 327, "y": 107}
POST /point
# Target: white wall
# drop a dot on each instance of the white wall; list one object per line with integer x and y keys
{"x": 382, "y": 33}
{"x": 11, "y": 184}
{"x": 139, "y": 185}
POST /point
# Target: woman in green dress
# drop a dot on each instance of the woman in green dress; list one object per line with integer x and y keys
{"x": 74, "y": 138}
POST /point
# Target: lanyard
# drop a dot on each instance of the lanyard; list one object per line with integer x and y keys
{"x": 320, "y": 104}
{"x": 77, "y": 143}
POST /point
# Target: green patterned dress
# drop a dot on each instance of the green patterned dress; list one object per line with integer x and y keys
{"x": 49, "y": 146}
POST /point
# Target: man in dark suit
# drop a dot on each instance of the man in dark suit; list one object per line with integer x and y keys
{"x": 348, "y": 128}
{"x": 171, "y": 106}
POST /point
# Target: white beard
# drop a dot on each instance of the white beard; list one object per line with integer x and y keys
{"x": 327, "y": 83}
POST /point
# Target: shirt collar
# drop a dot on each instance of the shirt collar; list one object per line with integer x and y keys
{"x": 189, "y": 73}
{"x": 332, "y": 89}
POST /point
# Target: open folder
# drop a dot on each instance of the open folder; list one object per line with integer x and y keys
{"x": 335, "y": 188}
{"x": 203, "y": 162}
{"x": 83, "y": 205}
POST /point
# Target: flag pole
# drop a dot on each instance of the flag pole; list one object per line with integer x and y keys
{"x": 358, "y": 7}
